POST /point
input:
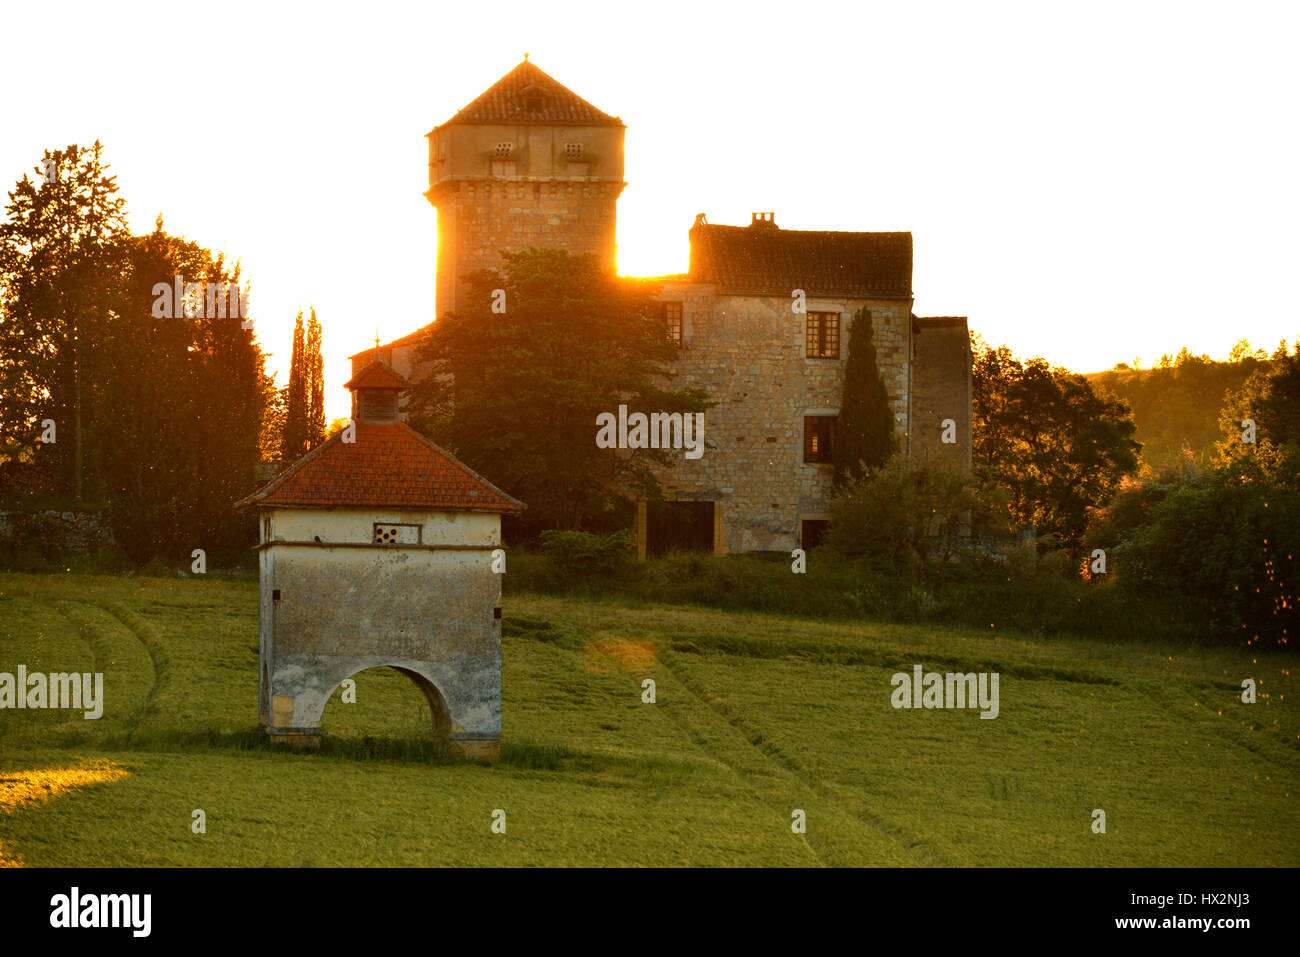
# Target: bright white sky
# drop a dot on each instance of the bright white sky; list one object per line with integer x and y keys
{"x": 1091, "y": 183}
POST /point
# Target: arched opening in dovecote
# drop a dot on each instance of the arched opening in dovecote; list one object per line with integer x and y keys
{"x": 375, "y": 703}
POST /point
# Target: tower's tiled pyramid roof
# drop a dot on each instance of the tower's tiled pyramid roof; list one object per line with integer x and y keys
{"x": 527, "y": 95}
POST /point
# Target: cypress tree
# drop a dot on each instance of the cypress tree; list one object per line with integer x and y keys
{"x": 865, "y": 431}
{"x": 295, "y": 417}
{"x": 314, "y": 384}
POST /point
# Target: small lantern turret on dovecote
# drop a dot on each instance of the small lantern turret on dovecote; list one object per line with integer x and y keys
{"x": 376, "y": 390}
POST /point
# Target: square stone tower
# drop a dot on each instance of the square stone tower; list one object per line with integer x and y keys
{"x": 527, "y": 164}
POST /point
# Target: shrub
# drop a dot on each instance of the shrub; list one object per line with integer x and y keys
{"x": 1230, "y": 552}
{"x": 1227, "y": 543}
{"x": 913, "y": 514}
{"x": 584, "y": 554}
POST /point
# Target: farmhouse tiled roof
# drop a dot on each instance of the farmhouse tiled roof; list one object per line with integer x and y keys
{"x": 763, "y": 259}
{"x": 377, "y": 375}
{"x": 527, "y": 95}
{"x": 388, "y": 466}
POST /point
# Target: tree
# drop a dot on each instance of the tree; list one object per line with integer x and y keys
{"x": 162, "y": 399}
{"x": 1226, "y": 541}
{"x": 865, "y": 438}
{"x": 183, "y": 408}
{"x": 1224, "y": 537}
{"x": 1271, "y": 398}
{"x": 1177, "y": 407}
{"x": 515, "y": 394}
{"x": 293, "y": 444}
{"x": 1045, "y": 435}
{"x": 59, "y": 259}
{"x": 271, "y": 436}
{"x": 914, "y": 513}
{"x": 1241, "y": 350}
{"x": 314, "y": 387}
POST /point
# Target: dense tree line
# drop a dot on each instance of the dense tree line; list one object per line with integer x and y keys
{"x": 1223, "y": 534}
{"x": 158, "y": 401}
{"x": 1176, "y": 404}
{"x": 1216, "y": 536}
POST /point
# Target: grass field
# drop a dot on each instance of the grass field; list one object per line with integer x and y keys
{"x": 756, "y": 715}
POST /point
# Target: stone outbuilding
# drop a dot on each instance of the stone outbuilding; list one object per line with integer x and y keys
{"x": 377, "y": 551}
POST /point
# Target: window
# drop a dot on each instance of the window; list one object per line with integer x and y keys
{"x": 507, "y": 168}
{"x": 673, "y": 319}
{"x": 823, "y": 335}
{"x": 817, "y": 432}
{"x": 573, "y": 151}
{"x": 396, "y": 534}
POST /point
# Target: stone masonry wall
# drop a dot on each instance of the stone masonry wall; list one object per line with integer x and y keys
{"x": 941, "y": 388}
{"x": 748, "y": 352}
{"x": 477, "y": 219}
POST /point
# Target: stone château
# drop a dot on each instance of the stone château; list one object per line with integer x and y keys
{"x": 529, "y": 163}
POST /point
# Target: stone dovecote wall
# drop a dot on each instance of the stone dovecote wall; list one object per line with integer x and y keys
{"x": 334, "y": 603}
{"x": 748, "y": 352}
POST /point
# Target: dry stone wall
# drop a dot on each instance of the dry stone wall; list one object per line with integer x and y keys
{"x": 57, "y": 531}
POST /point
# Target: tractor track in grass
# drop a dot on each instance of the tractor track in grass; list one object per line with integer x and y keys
{"x": 918, "y": 851}
{"x": 697, "y": 739}
{"x": 93, "y": 640}
{"x": 142, "y": 631}
{"x": 87, "y": 636}
{"x": 1273, "y": 752}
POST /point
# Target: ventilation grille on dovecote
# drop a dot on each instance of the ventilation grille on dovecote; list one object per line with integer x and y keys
{"x": 396, "y": 534}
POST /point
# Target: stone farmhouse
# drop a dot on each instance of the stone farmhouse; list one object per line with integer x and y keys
{"x": 529, "y": 163}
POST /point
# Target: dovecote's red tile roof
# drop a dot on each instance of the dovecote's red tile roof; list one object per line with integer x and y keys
{"x": 389, "y": 466}
{"x": 762, "y": 259}
{"x": 527, "y": 95}
{"x": 377, "y": 375}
